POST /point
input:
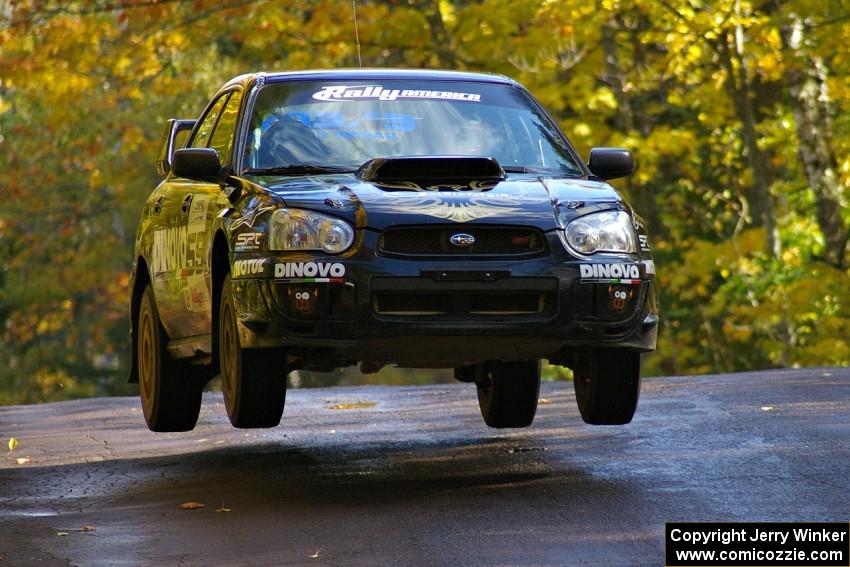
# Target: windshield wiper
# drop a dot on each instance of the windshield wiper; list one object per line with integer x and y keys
{"x": 298, "y": 169}
{"x": 546, "y": 170}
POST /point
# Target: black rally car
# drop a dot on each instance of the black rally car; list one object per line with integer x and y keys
{"x": 315, "y": 220}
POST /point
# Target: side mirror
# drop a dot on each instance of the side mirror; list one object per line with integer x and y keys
{"x": 197, "y": 163}
{"x": 168, "y": 141}
{"x": 611, "y": 163}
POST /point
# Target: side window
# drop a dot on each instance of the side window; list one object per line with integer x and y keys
{"x": 222, "y": 137}
{"x": 202, "y": 136}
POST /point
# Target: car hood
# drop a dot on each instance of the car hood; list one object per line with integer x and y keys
{"x": 520, "y": 199}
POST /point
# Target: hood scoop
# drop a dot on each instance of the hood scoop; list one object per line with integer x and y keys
{"x": 431, "y": 169}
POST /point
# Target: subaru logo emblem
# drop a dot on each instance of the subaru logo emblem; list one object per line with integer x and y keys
{"x": 462, "y": 240}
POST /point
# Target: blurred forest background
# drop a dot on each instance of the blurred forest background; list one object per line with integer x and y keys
{"x": 738, "y": 112}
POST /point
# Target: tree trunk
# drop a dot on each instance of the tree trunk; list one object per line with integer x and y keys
{"x": 805, "y": 78}
{"x": 443, "y": 46}
{"x": 615, "y": 78}
{"x": 738, "y": 87}
{"x": 626, "y": 120}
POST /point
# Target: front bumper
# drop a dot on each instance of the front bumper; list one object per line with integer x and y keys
{"x": 437, "y": 313}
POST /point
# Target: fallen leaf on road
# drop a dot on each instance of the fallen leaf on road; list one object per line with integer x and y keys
{"x": 23, "y": 460}
{"x": 315, "y": 555}
{"x": 223, "y": 509}
{"x": 65, "y": 531}
{"x": 13, "y": 443}
{"x": 192, "y": 505}
{"x": 354, "y": 405}
{"x": 544, "y": 401}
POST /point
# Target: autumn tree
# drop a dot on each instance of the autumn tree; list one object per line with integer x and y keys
{"x": 736, "y": 110}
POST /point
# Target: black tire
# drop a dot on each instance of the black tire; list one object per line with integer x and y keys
{"x": 607, "y": 386}
{"x": 507, "y": 393}
{"x": 253, "y": 380}
{"x": 169, "y": 389}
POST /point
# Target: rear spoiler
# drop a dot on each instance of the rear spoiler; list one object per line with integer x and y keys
{"x": 431, "y": 168}
{"x": 166, "y": 144}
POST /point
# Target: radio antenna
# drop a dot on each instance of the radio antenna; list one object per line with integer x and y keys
{"x": 356, "y": 34}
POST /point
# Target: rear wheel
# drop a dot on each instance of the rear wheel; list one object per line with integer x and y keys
{"x": 170, "y": 390}
{"x": 507, "y": 393}
{"x": 607, "y": 386}
{"x": 253, "y": 380}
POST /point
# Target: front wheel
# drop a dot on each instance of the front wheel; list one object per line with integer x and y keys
{"x": 170, "y": 390}
{"x": 507, "y": 393}
{"x": 253, "y": 380}
{"x": 607, "y": 386}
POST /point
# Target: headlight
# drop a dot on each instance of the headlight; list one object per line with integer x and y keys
{"x": 296, "y": 229}
{"x": 609, "y": 231}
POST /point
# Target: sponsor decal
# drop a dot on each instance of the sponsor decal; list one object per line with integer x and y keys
{"x": 250, "y": 267}
{"x": 619, "y": 298}
{"x": 377, "y": 92}
{"x": 196, "y": 240}
{"x": 628, "y": 274}
{"x": 169, "y": 249}
{"x": 198, "y": 215}
{"x": 303, "y": 299}
{"x": 197, "y": 294}
{"x": 181, "y": 250}
{"x": 471, "y": 187}
{"x": 310, "y": 272}
{"x": 248, "y": 241}
{"x": 649, "y": 267}
{"x": 251, "y": 216}
{"x": 456, "y": 206}
{"x": 644, "y": 242}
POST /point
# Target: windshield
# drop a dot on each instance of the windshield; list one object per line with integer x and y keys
{"x": 342, "y": 124}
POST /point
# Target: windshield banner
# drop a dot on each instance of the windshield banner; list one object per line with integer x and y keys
{"x": 343, "y": 92}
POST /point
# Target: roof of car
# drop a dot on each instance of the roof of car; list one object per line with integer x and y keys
{"x": 369, "y": 74}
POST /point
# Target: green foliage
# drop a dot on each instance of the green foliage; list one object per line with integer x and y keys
{"x": 85, "y": 88}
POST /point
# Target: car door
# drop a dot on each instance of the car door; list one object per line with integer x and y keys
{"x": 172, "y": 258}
{"x": 206, "y": 200}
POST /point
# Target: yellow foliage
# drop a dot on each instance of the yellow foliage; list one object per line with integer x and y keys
{"x": 84, "y": 98}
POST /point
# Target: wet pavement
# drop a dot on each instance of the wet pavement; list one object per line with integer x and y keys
{"x": 418, "y": 479}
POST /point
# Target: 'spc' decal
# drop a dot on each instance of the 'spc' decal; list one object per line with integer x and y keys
{"x": 249, "y": 241}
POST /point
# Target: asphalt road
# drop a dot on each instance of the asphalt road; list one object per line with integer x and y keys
{"x": 418, "y": 479}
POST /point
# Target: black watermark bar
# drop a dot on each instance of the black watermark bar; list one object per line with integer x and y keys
{"x": 757, "y": 544}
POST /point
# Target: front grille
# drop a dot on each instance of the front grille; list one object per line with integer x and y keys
{"x": 436, "y": 241}
{"x": 456, "y": 303}
{"x": 464, "y": 299}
